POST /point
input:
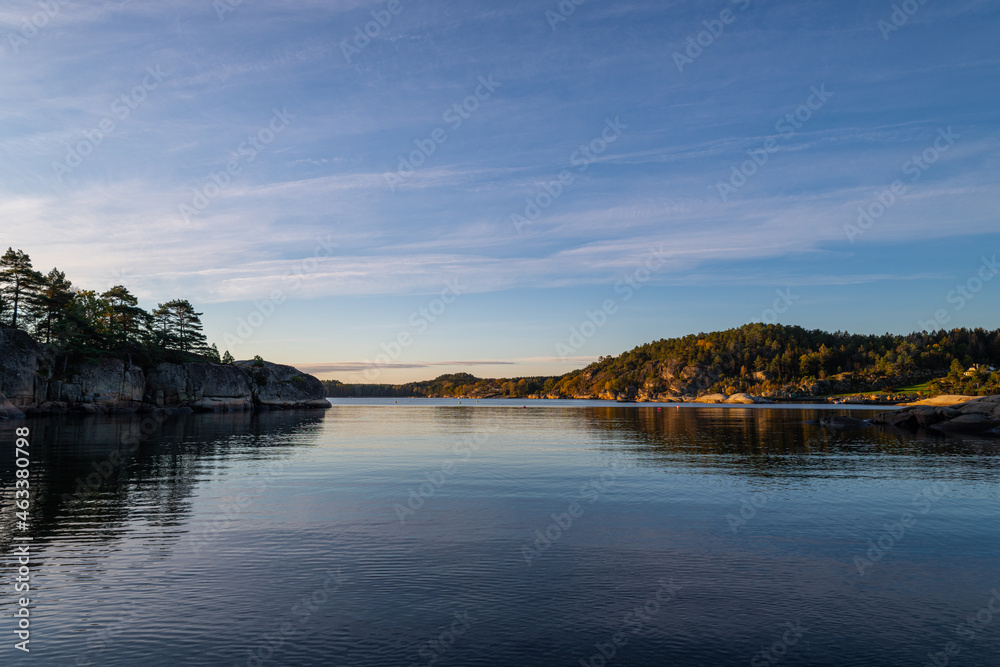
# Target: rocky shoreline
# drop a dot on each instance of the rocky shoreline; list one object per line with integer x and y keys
{"x": 30, "y": 385}
{"x": 642, "y": 397}
{"x": 977, "y": 416}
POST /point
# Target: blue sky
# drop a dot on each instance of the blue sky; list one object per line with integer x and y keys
{"x": 612, "y": 130}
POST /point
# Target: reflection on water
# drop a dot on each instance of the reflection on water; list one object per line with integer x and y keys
{"x": 437, "y": 534}
{"x": 109, "y": 471}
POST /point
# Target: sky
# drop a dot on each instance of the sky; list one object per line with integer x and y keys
{"x": 389, "y": 191}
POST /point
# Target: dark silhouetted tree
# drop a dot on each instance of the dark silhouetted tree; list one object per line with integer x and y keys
{"x": 18, "y": 282}
{"x": 53, "y": 307}
{"x": 179, "y": 327}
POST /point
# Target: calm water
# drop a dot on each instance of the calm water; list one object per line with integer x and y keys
{"x": 425, "y": 532}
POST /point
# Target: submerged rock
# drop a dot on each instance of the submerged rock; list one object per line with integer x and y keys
{"x": 840, "y": 422}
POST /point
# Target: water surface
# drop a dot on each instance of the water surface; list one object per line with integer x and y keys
{"x": 503, "y": 533}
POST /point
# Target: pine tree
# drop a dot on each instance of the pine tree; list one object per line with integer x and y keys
{"x": 179, "y": 327}
{"x": 162, "y": 328}
{"x": 125, "y": 320}
{"x": 228, "y": 359}
{"x": 18, "y": 282}
{"x": 53, "y": 306}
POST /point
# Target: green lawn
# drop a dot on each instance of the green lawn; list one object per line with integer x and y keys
{"x": 912, "y": 390}
{"x": 915, "y": 389}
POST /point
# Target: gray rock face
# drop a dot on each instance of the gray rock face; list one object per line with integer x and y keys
{"x": 201, "y": 387}
{"x": 277, "y": 386}
{"x": 111, "y": 385}
{"x": 22, "y": 368}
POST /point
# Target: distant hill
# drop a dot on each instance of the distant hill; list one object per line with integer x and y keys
{"x": 446, "y": 386}
{"x": 767, "y": 360}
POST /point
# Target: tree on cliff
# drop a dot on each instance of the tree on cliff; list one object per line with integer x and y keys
{"x": 179, "y": 327}
{"x": 84, "y": 324}
{"x": 18, "y": 282}
{"x": 89, "y": 313}
{"x": 52, "y": 306}
{"x": 124, "y": 319}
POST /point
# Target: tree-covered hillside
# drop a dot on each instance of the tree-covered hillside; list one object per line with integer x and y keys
{"x": 766, "y": 359}
{"x": 447, "y": 386}
{"x": 759, "y": 359}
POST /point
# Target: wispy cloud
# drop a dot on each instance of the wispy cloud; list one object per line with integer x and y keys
{"x": 116, "y": 216}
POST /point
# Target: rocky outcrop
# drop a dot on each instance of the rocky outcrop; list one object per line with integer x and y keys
{"x": 106, "y": 385}
{"x": 201, "y": 387}
{"x": 735, "y": 399}
{"x": 974, "y": 417}
{"x": 23, "y": 369}
{"x": 916, "y": 417}
{"x": 987, "y": 405}
{"x": 277, "y": 386}
{"x": 28, "y": 384}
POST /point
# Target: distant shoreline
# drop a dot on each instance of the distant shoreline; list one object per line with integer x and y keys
{"x": 591, "y": 402}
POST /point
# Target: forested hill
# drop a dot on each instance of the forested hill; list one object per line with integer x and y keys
{"x": 758, "y": 359}
{"x": 766, "y": 359}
